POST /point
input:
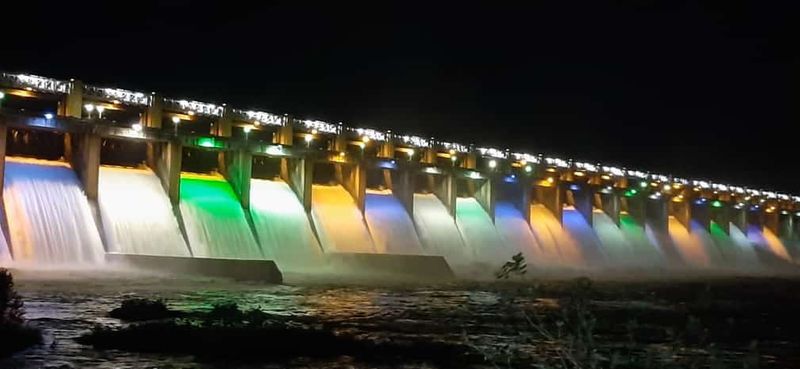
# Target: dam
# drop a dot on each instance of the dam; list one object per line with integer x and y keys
{"x": 91, "y": 174}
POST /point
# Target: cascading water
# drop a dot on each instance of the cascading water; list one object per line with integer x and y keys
{"x": 338, "y": 221}
{"x": 693, "y": 247}
{"x": 555, "y": 241}
{"x": 514, "y": 230}
{"x": 438, "y": 231}
{"x": 616, "y": 246}
{"x": 646, "y": 251}
{"x": 479, "y": 233}
{"x": 736, "y": 249}
{"x": 5, "y": 255}
{"x": 581, "y": 231}
{"x": 136, "y": 213}
{"x": 49, "y": 217}
{"x": 282, "y": 224}
{"x": 767, "y": 240}
{"x": 215, "y": 222}
{"x": 390, "y": 225}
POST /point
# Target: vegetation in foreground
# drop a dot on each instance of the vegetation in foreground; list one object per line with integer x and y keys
{"x": 15, "y": 335}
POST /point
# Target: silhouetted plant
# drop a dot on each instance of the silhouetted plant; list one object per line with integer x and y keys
{"x": 15, "y": 335}
{"x": 12, "y": 310}
{"x": 226, "y": 313}
{"x": 139, "y": 309}
{"x": 517, "y": 266}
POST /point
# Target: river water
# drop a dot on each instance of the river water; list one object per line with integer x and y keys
{"x": 482, "y": 315}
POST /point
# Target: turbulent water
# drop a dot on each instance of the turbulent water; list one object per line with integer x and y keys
{"x": 5, "y": 255}
{"x": 692, "y": 246}
{"x": 282, "y": 224}
{"x": 49, "y": 218}
{"x": 645, "y": 251}
{"x": 137, "y": 214}
{"x": 581, "y": 231}
{"x": 340, "y": 225}
{"x": 438, "y": 231}
{"x": 768, "y": 241}
{"x": 215, "y": 223}
{"x": 390, "y": 225}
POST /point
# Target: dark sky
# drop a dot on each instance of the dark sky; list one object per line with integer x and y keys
{"x": 699, "y": 90}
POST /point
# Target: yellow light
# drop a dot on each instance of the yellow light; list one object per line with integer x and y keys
{"x": 191, "y": 112}
{"x": 667, "y": 187}
{"x": 341, "y": 154}
{"x": 653, "y": 184}
{"x": 255, "y": 123}
{"x": 580, "y": 174}
{"x": 452, "y": 152}
{"x": 115, "y": 102}
{"x": 696, "y": 189}
{"x": 361, "y": 145}
{"x": 676, "y": 186}
{"x": 605, "y": 176}
{"x": 551, "y": 170}
{"x": 365, "y": 139}
{"x": 313, "y": 131}
{"x": 550, "y": 179}
{"x": 523, "y": 162}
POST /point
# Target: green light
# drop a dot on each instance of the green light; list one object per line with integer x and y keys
{"x": 631, "y": 192}
{"x": 209, "y": 142}
{"x": 716, "y": 204}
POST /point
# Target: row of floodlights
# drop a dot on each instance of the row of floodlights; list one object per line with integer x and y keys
{"x": 258, "y": 117}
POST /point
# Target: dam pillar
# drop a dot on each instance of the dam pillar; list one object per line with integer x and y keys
{"x": 771, "y": 221}
{"x": 610, "y": 204}
{"x": 72, "y": 104}
{"x": 470, "y": 161}
{"x": 721, "y": 216}
{"x": 154, "y": 114}
{"x": 354, "y": 180}
{"x": 403, "y": 187}
{"x": 737, "y": 217}
{"x": 285, "y": 134}
{"x": 486, "y": 194}
{"x": 298, "y": 172}
{"x": 238, "y": 169}
{"x": 682, "y": 211}
{"x": 657, "y": 214}
{"x": 786, "y": 226}
{"x": 386, "y": 150}
{"x": 85, "y": 160}
{"x": 444, "y": 187}
{"x": 549, "y": 195}
{"x": 165, "y": 160}
{"x": 223, "y": 126}
{"x": 581, "y": 196}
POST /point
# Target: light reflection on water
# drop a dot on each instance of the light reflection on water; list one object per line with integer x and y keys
{"x": 66, "y": 307}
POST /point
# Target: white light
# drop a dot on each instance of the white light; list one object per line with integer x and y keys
{"x": 176, "y": 120}
{"x": 48, "y": 116}
{"x": 528, "y": 169}
{"x": 136, "y": 127}
{"x": 2, "y": 95}
{"x": 365, "y": 139}
{"x": 492, "y": 164}
{"x": 247, "y": 129}
{"x": 100, "y": 110}
{"x": 453, "y": 158}
{"x": 411, "y": 152}
{"x": 255, "y": 123}
{"x": 667, "y": 187}
{"x": 308, "y": 138}
{"x": 89, "y": 107}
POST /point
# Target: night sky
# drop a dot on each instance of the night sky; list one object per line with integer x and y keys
{"x": 707, "y": 91}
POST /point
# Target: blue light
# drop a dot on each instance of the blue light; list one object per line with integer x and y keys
{"x": 574, "y": 187}
{"x": 387, "y": 164}
{"x": 48, "y": 116}
{"x": 510, "y": 178}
